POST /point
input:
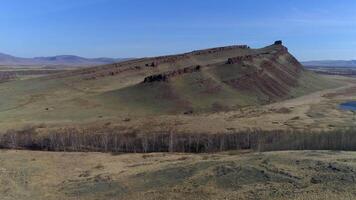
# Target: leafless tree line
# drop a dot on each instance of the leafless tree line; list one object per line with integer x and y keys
{"x": 72, "y": 139}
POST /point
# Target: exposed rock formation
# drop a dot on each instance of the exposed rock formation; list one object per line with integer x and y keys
{"x": 166, "y": 76}
{"x": 166, "y": 59}
{"x": 218, "y": 49}
{"x": 239, "y": 59}
{"x": 172, "y": 59}
{"x": 278, "y": 42}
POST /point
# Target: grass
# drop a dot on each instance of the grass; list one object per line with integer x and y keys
{"x": 310, "y": 82}
{"x": 147, "y": 99}
{"x": 95, "y": 187}
{"x": 272, "y": 175}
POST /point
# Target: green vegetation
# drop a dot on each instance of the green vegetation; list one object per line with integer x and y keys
{"x": 311, "y": 82}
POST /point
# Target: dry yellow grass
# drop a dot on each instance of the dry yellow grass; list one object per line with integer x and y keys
{"x": 232, "y": 175}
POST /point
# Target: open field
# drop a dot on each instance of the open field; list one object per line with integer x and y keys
{"x": 22, "y": 73}
{"x": 303, "y": 175}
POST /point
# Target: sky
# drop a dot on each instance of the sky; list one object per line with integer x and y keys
{"x": 311, "y": 29}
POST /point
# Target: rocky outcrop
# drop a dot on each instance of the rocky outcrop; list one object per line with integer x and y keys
{"x": 281, "y": 50}
{"x": 166, "y": 59}
{"x": 239, "y": 59}
{"x": 278, "y": 42}
{"x": 153, "y": 64}
{"x": 219, "y": 49}
{"x": 173, "y": 59}
{"x": 166, "y": 76}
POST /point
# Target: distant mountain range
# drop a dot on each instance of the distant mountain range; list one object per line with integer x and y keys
{"x": 330, "y": 63}
{"x": 61, "y": 60}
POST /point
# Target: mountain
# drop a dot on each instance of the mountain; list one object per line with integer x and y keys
{"x": 330, "y": 63}
{"x": 12, "y": 60}
{"x": 61, "y": 60}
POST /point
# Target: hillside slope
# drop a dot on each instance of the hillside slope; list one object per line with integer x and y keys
{"x": 205, "y": 81}
{"x": 237, "y": 77}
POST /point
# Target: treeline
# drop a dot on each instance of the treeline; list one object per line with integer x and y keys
{"x": 109, "y": 140}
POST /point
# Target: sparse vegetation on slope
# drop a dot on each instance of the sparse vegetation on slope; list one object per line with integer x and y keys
{"x": 303, "y": 175}
{"x": 264, "y": 76}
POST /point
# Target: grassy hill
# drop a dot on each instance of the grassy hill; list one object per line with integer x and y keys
{"x": 205, "y": 81}
{"x": 264, "y": 76}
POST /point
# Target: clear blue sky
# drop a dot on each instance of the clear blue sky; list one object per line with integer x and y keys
{"x": 312, "y": 29}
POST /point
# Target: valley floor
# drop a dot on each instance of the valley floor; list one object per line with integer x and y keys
{"x": 230, "y": 175}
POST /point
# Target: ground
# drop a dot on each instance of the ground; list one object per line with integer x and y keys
{"x": 229, "y": 175}
{"x": 318, "y": 110}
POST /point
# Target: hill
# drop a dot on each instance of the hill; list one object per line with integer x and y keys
{"x": 11, "y": 60}
{"x": 61, "y": 60}
{"x": 165, "y": 88}
{"x": 218, "y": 79}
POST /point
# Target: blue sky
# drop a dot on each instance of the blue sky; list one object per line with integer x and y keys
{"x": 312, "y": 29}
